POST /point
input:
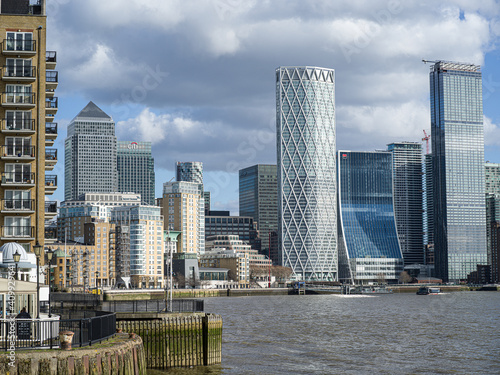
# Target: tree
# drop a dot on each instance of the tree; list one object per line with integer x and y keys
{"x": 281, "y": 273}
{"x": 258, "y": 272}
{"x": 381, "y": 278}
{"x": 405, "y": 277}
{"x": 180, "y": 280}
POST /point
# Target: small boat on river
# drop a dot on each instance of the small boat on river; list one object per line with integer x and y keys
{"x": 351, "y": 289}
{"x": 426, "y": 290}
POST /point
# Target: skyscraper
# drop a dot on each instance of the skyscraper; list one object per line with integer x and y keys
{"x": 90, "y": 154}
{"x": 408, "y": 202}
{"x": 458, "y": 169}
{"x": 189, "y": 171}
{"x": 258, "y": 190}
{"x": 428, "y": 201}
{"x": 368, "y": 242}
{"x": 136, "y": 173}
{"x": 27, "y": 110}
{"x": 307, "y": 200}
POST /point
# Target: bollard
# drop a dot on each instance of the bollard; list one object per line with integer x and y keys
{"x": 65, "y": 338}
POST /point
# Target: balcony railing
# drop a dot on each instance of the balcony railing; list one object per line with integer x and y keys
{"x": 51, "y": 206}
{"x": 51, "y": 128}
{"x": 10, "y": 71}
{"x": 18, "y": 98}
{"x": 50, "y": 154}
{"x": 18, "y": 178}
{"x": 51, "y": 103}
{"x": 18, "y": 231}
{"x": 18, "y": 151}
{"x": 18, "y": 124}
{"x": 51, "y": 76}
{"x": 51, "y": 56}
{"x": 50, "y": 180}
{"x": 18, "y": 45}
{"x": 18, "y": 204}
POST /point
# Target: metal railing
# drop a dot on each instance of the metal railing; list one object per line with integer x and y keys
{"x": 178, "y": 305}
{"x": 18, "y": 204}
{"x": 18, "y": 151}
{"x": 18, "y": 178}
{"x": 51, "y": 76}
{"x": 19, "y": 72}
{"x": 51, "y": 56}
{"x": 50, "y": 180}
{"x": 19, "y": 45}
{"x": 18, "y": 98}
{"x": 90, "y": 328}
{"x": 51, "y": 206}
{"x": 18, "y": 124}
{"x": 17, "y": 231}
{"x": 51, "y": 128}
{"x": 51, "y": 154}
{"x": 51, "y": 103}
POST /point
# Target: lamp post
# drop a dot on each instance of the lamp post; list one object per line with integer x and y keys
{"x": 49, "y": 258}
{"x": 37, "y": 249}
{"x": 17, "y": 258}
{"x": 96, "y": 277}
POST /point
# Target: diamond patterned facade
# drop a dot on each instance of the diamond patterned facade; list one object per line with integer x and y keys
{"x": 305, "y": 115}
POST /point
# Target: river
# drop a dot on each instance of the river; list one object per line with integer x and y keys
{"x": 451, "y": 333}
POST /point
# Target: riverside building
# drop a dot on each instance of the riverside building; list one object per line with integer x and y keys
{"x": 307, "y": 192}
{"x": 369, "y": 249}
{"x": 27, "y": 109}
{"x": 458, "y": 169}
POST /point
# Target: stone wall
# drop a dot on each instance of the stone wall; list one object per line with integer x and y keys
{"x": 118, "y": 355}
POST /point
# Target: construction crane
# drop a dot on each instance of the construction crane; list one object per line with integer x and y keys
{"x": 426, "y": 139}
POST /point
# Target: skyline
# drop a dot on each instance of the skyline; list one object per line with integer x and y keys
{"x": 199, "y": 77}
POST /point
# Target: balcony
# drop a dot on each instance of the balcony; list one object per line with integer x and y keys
{"x": 19, "y": 47}
{"x": 51, "y": 80}
{"x": 50, "y": 209}
{"x": 23, "y": 100}
{"x": 50, "y": 133}
{"x": 51, "y": 106}
{"x": 50, "y": 158}
{"x": 18, "y": 153}
{"x": 19, "y": 73}
{"x": 14, "y": 232}
{"x": 21, "y": 126}
{"x": 24, "y": 179}
{"x": 50, "y": 184}
{"x": 18, "y": 206}
{"x": 49, "y": 117}
{"x": 50, "y": 60}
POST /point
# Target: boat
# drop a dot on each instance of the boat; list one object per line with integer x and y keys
{"x": 351, "y": 289}
{"x": 426, "y": 290}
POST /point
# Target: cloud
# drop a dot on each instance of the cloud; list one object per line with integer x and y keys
{"x": 491, "y": 132}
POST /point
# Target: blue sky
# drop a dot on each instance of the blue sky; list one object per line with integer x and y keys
{"x": 196, "y": 78}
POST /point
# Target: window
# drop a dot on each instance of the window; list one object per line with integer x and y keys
{"x": 17, "y": 227}
{"x": 17, "y": 200}
{"x": 20, "y": 42}
{"x": 19, "y": 94}
{"x": 19, "y": 68}
{"x": 18, "y": 120}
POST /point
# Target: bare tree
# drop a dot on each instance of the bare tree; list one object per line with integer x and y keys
{"x": 381, "y": 278}
{"x": 258, "y": 272}
{"x": 180, "y": 280}
{"x": 281, "y": 273}
{"x": 405, "y": 277}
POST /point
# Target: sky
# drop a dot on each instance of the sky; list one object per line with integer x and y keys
{"x": 197, "y": 78}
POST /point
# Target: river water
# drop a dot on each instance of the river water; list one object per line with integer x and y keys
{"x": 451, "y": 333}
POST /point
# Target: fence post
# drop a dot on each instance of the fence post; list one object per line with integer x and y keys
{"x": 205, "y": 339}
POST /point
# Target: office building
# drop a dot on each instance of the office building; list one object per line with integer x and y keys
{"x": 408, "y": 199}
{"x": 428, "y": 202}
{"x": 135, "y": 166}
{"x": 90, "y": 154}
{"x": 258, "y": 193}
{"x": 369, "y": 249}
{"x": 307, "y": 192}
{"x": 221, "y": 223}
{"x": 27, "y": 132}
{"x": 458, "y": 169}
{"x": 184, "y": 211}
{"x": 189, "y": 171}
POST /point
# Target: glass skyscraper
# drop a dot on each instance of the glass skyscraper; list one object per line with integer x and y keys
{"x": 408, "y": 199}
{"x": 136, "y": 172}
{"x": 369, "y": 248}
{"x": 189, "y": 171}
{"x": 90, "y": 154}
{"x": 258, "y": 193}
{"x": 458, "y": 169}
{"x": 307, "y": 200}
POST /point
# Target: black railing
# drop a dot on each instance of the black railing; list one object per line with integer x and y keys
{"x": 51, "y": 128}
{"x": 18, "y": 151}
{"x": 18, "y": 204}
{"x": 51, "y": 103}
{"x": 178, "y": 305}
{"x": 18, "y": 178}
{"x": 51, "y": 56}
{"x": 19, "y": 71}
{"x": 17, "y": 231}
{"x": 51, "y": 76}
{"x": 19, "y": 98}
{"x": 51, "y": 154}
{"x": 51, "y": 207}
{"x": 50, "y": 180}
{"x": 91, "y": 300}
{"x": 90, "y": 328}
{"x": 19, "y": 45}
{"x": 18, "y": 124}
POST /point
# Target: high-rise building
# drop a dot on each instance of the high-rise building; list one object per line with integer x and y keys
{"x": 428, "y": 202}
{"x": 369, "y": 248}
{"x": 221, "y": 223}
{"x": 90, "y": 154}
{"x": 307, "y": 192}
{"x": 458, "y": 169}
{"x": 184, "y": 211}
{"x": 492, "y": 188}
{"x": 408, "y": 199}
{"x": 27, "y": 131}
{"x": 189, "y": 171}
{"x": 259, "y": 199}
{"x": 136, "y": 172}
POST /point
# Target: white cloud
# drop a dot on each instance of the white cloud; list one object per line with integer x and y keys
{"x": 491, "y": 132}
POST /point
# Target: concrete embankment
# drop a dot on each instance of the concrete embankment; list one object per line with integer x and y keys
{"x": 118, "y": 355}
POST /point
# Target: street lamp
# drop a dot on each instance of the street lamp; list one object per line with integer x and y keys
{"x": 50, "y": 253}
{"x": 96, "y": 277}
{"x": 17, "y": 258}
{"x": 37, "y": 249}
